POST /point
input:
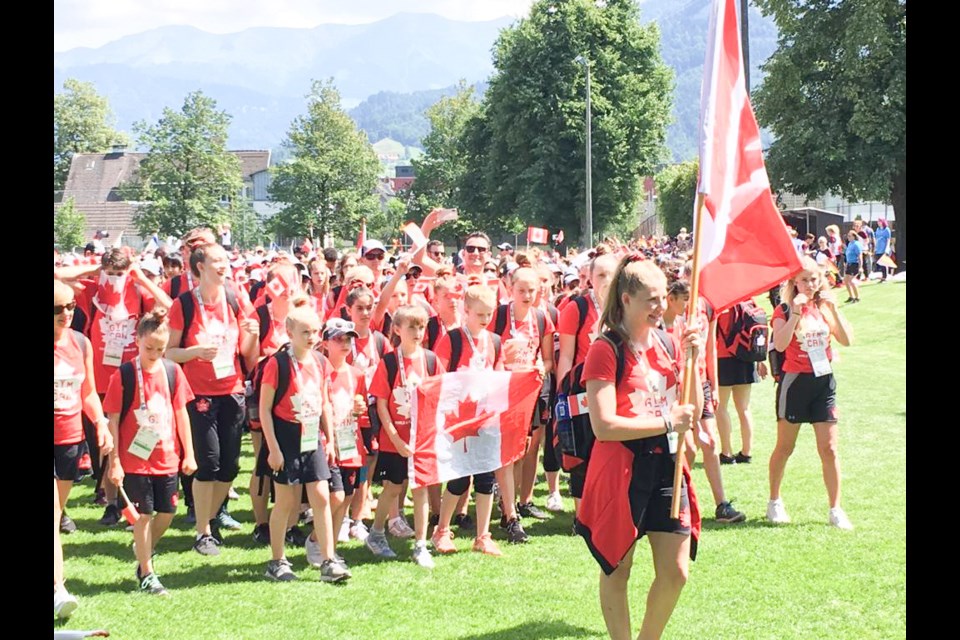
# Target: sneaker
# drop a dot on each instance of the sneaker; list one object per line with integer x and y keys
{"x": 421, "y": 555}
{"x": 555, "y": 502}
{"x": 530, "y": 510}
{"x": 232, "y": 494}
{"x": 400, "y": 528}
{"x": 295, "y": 536}
{"x": 839, "y": 519}
{"x": 443, "y": 540}
{"x": 485, "y": 545}
{"x": 776, "y": 513}
{"x": 465, "y": 522}
{"x": 100, "y": 498}
{"x": 726, "y": 513}
{"x": 314, "y": 556}
{"x": 111, "y": 516}
{"x": 344, "y": 535}
{"x": 67, "y": 525}
{"x": 377, "y": 543}
{"x": 280, "y": 570}
{"x": 215, "y": 531}
{"x": 151, "y": 584}
{"x": 261, "y": 534}
{"x": 64, "y": 604}
{"x": 359, "y": 531}
{"x": 307, "y": 517}
{"x": 226, "y": 521}
{"x": 334, "y": 570}
{"x": 515, "y": 532}
{"x": 206, "y": 546}
{"x": 725, "y": 459}
{"x": 743, "y": 458}
{"x": 191, "y": 517}
{"x": 848, "y": 300}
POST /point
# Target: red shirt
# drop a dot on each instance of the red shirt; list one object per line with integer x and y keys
{"x": 526, "y": 329}
{"x": 568, "y": 323}
{"x": 724, "y": 320}
{"x": 812, "y": 331}
{"x": 345, "y": 386}
{"x": 484, "y": 341}
{"x": 398, "y": 399}
{"x": 165, "y": 459}
{"x": 222, "y": 330}
{"x": 313, "y": 376}
{"x": 69, "y": 371}
{"x": 367, "y": 357}
{"x": 276, "y": 335}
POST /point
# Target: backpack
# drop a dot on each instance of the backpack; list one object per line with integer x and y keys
{"x": 748, "y": 335}
{"x": 433, "y": 331}
{"x": 456, "y": 348}
{"x": 390, "y": 361}
{"x": 189, "y": 306}
{"x": 128, "y": 383}
{"x": 777, "y": 357}
{"x": 503, "y": 313}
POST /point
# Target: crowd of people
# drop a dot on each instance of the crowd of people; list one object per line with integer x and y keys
{"x": 163, "y": 360}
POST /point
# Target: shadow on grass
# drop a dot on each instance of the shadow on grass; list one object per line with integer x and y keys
{"x": 534, "y": 630}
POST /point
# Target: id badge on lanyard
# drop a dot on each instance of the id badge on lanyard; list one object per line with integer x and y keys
{"x": 149, "y": 422}
{"x": 308, "y": 412}
{"x": 225, "y": 362}
{"x": 117, "y": 334}
{"x": 347, "y": 438}
{"x": 820, "y": 362}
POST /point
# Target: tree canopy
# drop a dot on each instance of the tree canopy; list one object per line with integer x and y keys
{"x": 69, "y": 227}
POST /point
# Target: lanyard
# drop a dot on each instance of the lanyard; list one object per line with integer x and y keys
{"x": 189, "y": 277}
{"x": 203, "y": 311}
{"x": 351, "y": 389}
{"x": 403, "y": 375}
{"x": 166, "y": 381}
{"x": 474, "y": 346}
{"x": 596, "y": 304}
{"x": 513, "y": 322}
{"x": 296, "y": 368}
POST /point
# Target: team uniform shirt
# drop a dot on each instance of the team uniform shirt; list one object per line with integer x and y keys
{"x": 483, "y": 358}
{"x": 344, "y": 386}
{"x": 810, "y": 337}
{"x": 212, "y": 324}
{"x": 568, "y": 326}
{"x": 276, "y": 335}
{"x": 399, "y": 396}
{"x": 303, "y": 398}
{"x": 69, "y": 371}
{"x": 529, "y": 354}
{"x": 187, "y": 283}
{"x": 165, "y": 456}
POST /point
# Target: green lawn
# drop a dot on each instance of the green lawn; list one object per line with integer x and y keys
{"x": 754, "y": 580}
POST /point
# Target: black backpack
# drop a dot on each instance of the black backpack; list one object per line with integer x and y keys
{"x": 502, "y": 316}
{"x": 188, "y": 304}
{"x": 128, "y": 383}
{"x": 390, "y": 362}
{"x": 776, "y": 357}
{"x": 456, "y": 348}
{"x": 749, "y": 334}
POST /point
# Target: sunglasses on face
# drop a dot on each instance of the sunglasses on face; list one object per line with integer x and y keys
{"x": 438, "y": 253}
{"x": 374, "y": 255}
{"x": 472, "y": 248}
{"x": 59, "y": 308}
{"x": 489, "y": 270}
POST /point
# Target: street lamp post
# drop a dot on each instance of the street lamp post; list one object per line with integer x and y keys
{"x": 588, "y": 221}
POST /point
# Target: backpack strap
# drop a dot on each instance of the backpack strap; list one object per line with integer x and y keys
{"x": 81, "y": 342}
{"x": 127, "y": 383}
{"x": 500, "y": 319}
{"x": 456, "y": 349}
{"x": 390, "y": 362}
{"x": 667, "y": 341}
{"x": 232, "y": 300}
{"x": 283, "y": 375}
{"x": 582, "y": 310}
{"x": 541, "y": 322}
{"x": 431, "y": 363}
{"x": 615, "y": 340}
{"x": 554, "y": 313}
{"x": 380, "y": 341}
{"x": 496, "y": 347}
{"x": 171, "y": 368}
{"x": 263, "y": 314}
{"x": 175, "y": 285}
{"x": 188, "y": 306}
{"x": 433, "y": 331}
{"x": 736, "y": 324}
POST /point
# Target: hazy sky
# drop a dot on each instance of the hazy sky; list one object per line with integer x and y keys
{"x": 93, "y": 23}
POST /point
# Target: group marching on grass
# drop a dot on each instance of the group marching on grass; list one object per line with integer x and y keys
{"x": 163, "y": 361}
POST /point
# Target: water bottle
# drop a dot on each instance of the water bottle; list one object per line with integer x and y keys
{"x": 564, "y": 425}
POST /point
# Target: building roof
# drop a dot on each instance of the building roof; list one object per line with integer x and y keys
{"x": 115, "y": 217}
{"x": 252, "y": 161}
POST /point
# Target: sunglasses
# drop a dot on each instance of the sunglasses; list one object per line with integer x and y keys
{"x": 489, "y": 270}
{"x": 438, "y": 253}
{"x": 374, "y": 255}
{"x": 59, "y": 308}
{"x": 472, "y": 248}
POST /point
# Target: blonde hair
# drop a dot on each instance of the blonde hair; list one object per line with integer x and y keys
{"x": 480, "y": 293}
{"x": 444, "y": 282}
{"x": 789, "y": 290}
{"x": 62, "y": 291}
{"x": 357, "y": 272}
{"x": 633, "y": 275}
{"x": 526, "y": 273}
{"x": 301, "y": 313}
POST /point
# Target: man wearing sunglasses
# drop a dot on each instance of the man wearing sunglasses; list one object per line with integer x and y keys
{"x": 373, "y": 254}
{"x": 436, "y": 251}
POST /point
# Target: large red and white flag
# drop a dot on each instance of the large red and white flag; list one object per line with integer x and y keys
{"x": 536, "y": 235}
{"x": 469, "y": 422}
{"x": 744, "y": 245}
{"x": 362, "y": 235}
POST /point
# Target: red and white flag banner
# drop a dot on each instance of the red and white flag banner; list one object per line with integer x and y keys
{"x": 469, "y": 422}
{"x": 362, "y": 235}
{"x": 536, "y": 235}
{"x": 745, "y": 248}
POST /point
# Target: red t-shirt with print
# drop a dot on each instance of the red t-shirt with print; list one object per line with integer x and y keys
{"x": 568, "y": 325}
{"x": 484, "y": 342}
{"x": 398, "y": 399}
{"x": 812, "y": 332}
{"x": 345, "y": 385}
{"x": 526, "y": 329}
{"x": 313, "y": 377}
{"x": 69, "y": 371}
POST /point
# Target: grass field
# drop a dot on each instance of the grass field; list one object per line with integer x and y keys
{"x": 753, "y": 580}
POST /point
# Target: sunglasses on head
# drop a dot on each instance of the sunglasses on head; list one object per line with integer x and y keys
{"x": 59, "y": 308}
{"x": 374, "y": 255}
{"x": 472, "y": 248}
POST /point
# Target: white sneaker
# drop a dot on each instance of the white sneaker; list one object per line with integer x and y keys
{"x": 421, "y": 555}
{"x": 359, "y": 531}
{"x": 314, "y": 557}
{"x": 307, "y": 516}
{"x": 344, "y": 535}
{"x": 399, "y": 528}
{"x": 776, "y": 513}
{"x": 64, "y": 604}
{"x": 554, "y": 502}
{"x": 839, "y": 519}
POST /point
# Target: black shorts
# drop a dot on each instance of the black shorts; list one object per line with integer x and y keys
{"x": 551, "y": 462}
{"x": 66, "y": 460}
{"x": 152, "y": 493}
{"x": 369, "y": 440}
{"x": 853, "y": 269}
{"x": 578, "y": 477}
{"x": 734, "y": 371}
{"x": 707, "y": 402}
{"x": 541, "y": 414}
{"x": 651, "y": 496}
{"x": 482, "y": 484}
{"x": 803, "y": 397}
{"x": 391, "y": 466}
{"x": 217, "y": 426}
{"x": 298, "y": 468}
{"x": 344, "y": 479}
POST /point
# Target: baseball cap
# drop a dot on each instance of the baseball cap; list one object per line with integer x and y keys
{"x": 151, "y": 266}
{"x": 372, "y": 245}
{"x": 571, "y": 277}
{"x": 337, "y": 327}
{"x": 506, "y": 246}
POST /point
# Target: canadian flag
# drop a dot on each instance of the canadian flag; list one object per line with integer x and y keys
{"x": 578, "y": 404}
{"x": 277, "y": 285}
{"x": 469, "y": 422}
{"x": 744, "y": 245}
{"x": 536, "y": 235}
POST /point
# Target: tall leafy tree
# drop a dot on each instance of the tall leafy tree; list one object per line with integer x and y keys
{"x": 677, "y": 189}
{"x": 835, "y": 97}
{"x": 188, "y": 177}
{"x": 69, "y": 227}
{"x": 82, "y": 123}
{"x": 329, "y": 183}
{"x": 533, "y": 166}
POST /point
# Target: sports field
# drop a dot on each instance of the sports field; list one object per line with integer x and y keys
{"x": 752, "y": 580}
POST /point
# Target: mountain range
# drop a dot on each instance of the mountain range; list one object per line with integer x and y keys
{"x": 387, "y": 72}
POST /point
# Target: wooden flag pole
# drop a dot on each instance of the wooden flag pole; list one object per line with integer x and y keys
{"x": 688, "y": 369}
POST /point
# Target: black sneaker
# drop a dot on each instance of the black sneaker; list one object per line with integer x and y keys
{"x": 515, "y": 532}
{"x": 848, "y": 300}
{"x": 111, "y": 516}
{"x": 191, "y": 517}
{"x": 67, "y": 525}
{"x": 530, "y": 510}
{"x": 206, "y": 546}
{"x": 741, "y": 458}
{"x": 215, "y": 531}
{"x": 725, "y": 459}
{"x": 726, "y": 513}
{"x": 261, "y": 534}
{"x": 296, "y": 536}
{"x": 100, "y": 498}
{"x": 465, "y": 522}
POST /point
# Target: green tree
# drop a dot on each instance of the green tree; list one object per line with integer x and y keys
{"x": 82, "y": 123}
{"x": 246, "y": 226}
{"x": 834, "y": 97}
{"x": 329, "y": 183}
{"x": 69, "y": 227}
{"x": 533, "y": 166}
{"x": 188, "y": 175}
{"x": 677, "y": 192}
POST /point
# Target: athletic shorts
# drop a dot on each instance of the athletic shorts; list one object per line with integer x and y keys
{"x": 707, "y": 402}
{"x": 217, "y": 426}
{"x": 805, "y": 398}
{"x": 551, "y": 461}
{"x": 652, "y": 491}
{"x": 344, "y": 479}
{"x": 66, "y": 460}
{"x": 578, "y": 477}
{"x": 298, "y": 468}
{"x": 853, "y": 269}
{"x": 152, "y": 493}
{"x": 734, "y": 371}
{"x": 391, "y": 466}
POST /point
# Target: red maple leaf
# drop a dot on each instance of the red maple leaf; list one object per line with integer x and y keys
{"x": 459, "y": 428}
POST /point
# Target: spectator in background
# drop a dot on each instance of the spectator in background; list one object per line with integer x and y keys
{"x": 435, "y": 250}
{"x": 854, "y": 258}
{"x": 506, "y": 252}
{"x": 835, "y": 243}
{"x": 882, "y": 246}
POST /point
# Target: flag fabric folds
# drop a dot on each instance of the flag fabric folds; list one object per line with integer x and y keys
{"x": 536, "y": 235}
